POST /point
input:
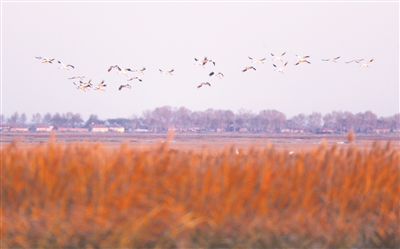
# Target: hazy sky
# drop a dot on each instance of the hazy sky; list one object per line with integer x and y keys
{"x": 92, "y": 36}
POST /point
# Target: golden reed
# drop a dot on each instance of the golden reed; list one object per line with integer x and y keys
{"x": 88, "y": 196}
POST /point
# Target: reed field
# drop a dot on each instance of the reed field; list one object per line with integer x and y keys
{"x": 86, "y": 195}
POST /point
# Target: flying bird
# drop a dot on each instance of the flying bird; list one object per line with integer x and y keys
{"x": 279, "y": 69}
{"x": 355, "y": 60}
{"x": 204, "y": 61}
{"x": 167, "y": 72}
{"x": 219, "y": 74}
{"x": 135, "y": 78}
{"x": 278, "y": 57}
{"x": 332, "y": 59}
{"x": 140, "y": 70}
{"x": 76, "y": 77}
{"x": 100, "y": 86}
{"x": 366, "y": 63}
{"x": 65, "y": 67}
{"x": 248, "y": 68}
{"x": 83, "y": 86}
{"x": 124, "y": 86}
{"x": 204, "y": 84}
{"x": 259, "y": 61}
{"x": 120, "y": 71}
{"x": 45, "y": 60}
{"x": 302, "y": 59}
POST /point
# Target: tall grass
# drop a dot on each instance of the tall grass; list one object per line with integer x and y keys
{"x": 88, "y": 196}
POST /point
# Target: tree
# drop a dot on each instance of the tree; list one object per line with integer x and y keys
{"x": 47, "y": 118}
{"x": 182, "y": 117}
{"x": 2, "y": 118}
{"x": 243, "y": 116}
{"x": 13, "y": 119}
{"x": 314, "y": 121}
{"x": 328, "y": 121}
{"x": 36, "y": 118}
{"x": 299, "y": 121}
{"x": 93, "y": 119}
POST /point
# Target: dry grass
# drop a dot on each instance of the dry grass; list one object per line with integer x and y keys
{"x": 88, "y": 196}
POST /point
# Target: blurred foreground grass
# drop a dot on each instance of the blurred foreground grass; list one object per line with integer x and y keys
{"x": 87, "y": 196}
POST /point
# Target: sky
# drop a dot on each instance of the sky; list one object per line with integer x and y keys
{"x": 92, "y": 36}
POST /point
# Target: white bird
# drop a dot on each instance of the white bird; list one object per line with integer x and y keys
{"x": 332, "y": 59}
{"x": 204, "y": 61}
{"x": 167, "y": 72}
{"x": 278, "y": 57}
{"x": 120, "y": 71}
{"x": 248, "y": 68}
{"x": 355, "y": 60}
{"x": 140, "y": 70}
{"x": 219, "y": 74}
{"x": 100, "y": 86}
{"x": 204, "y": 84}
{"x": 135, "y": 78}
{"x": 259, "y": 61}
{"x": 45, "y": 60}
{"x": 77, "y": 77}
{"x": 366, "y": 63}
{"x": 83, "y": 86}
{"x": 302, "y": 59}
{"x": 124, "y": 86}
{"x": 65, "y": 67}
{"x": 281, "y": 68}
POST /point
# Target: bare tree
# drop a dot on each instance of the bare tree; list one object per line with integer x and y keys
{"x": 299, "y": 121}
{"x": 314, "y": 121}
{"x": 3, "y": 118}
{"x": 36, "y": 118}
{"x": 328, "y": 121}
{"x": 47, "y": 118}
{"x": 13, "y": 119}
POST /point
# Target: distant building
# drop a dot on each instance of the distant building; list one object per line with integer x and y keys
{"x": 116, "y": 128}
{"x": 292, "y": 130}
{"x": 6, "y": 127}
{"x": 43, "y": 128}
{"x": 70, "y": 129}
{"x": 19, "y": 129}
{"x": 381, "y": 130}
{"x": 98, "y": 128}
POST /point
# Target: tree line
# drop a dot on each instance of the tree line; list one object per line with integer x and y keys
{"x": 163, "y": 118}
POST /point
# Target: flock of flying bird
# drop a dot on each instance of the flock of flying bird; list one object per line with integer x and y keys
{"x": 101, "y": 86}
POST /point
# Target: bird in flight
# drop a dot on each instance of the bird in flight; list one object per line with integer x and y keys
{"x": 302, "y": 59}
{"x": 140, "y": 70}
{"x": 278, "y": 57}
{"x": 366, "y": 63}
{"x": 248, "y": 68}
{"x": 76, "y": 77}
{"x": 279, "y": 69}
{"x": 204, "y": 61}
{"x": 355, "y": 60}
{"x": 219, "y": 74}
{"x": 204, "y": 84}
{"x": 83, "y": 86}
{"x": 100, "y": 86}
{"x": 167, "y": 72}
{"x": 65, "y": 67}
{"x": 45, "y": 60}
{"x": 332, "y": 59}
{"x": 120, "y": 71}
{"x": 135, "y": 78}
{"x": 259, "y": 61}
{"x": 124, "y": 86}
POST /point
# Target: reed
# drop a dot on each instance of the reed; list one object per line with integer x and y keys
{"x": 82, "y": 195}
